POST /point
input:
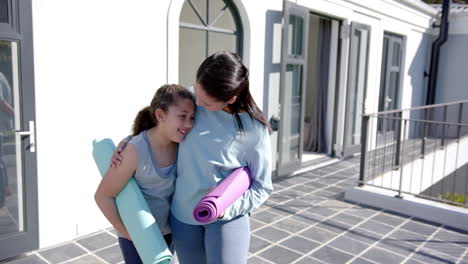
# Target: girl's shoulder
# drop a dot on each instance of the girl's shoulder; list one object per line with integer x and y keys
{"x": 138, "y": 138}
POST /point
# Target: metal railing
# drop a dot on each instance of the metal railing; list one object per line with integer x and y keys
{"x": 420, "y": 151}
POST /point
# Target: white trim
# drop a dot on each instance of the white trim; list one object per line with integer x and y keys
{"x": 245, "y": 22}
{"x": 172, "y": 48}
{"x": 343, "y": 85}
{"x": 332, "y": 79}
{"x": 420, "y": 6}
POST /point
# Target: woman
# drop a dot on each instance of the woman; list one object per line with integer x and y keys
{"x": 230, "y": 131}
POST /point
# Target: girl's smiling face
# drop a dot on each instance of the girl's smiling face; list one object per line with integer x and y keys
{"x": 179, "y": 119}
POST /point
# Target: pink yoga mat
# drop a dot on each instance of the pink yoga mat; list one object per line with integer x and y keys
{"x": 222, "y": 196}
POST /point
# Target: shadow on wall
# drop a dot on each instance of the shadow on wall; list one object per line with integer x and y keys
{"x": 419, "y": 81}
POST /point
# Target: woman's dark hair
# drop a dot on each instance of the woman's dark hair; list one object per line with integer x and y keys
{"x": 166, "y": 96}
{"x": 222, "y": 76}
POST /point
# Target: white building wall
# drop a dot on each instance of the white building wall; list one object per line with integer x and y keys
{"x": 96, "y": 64}
{"x": 453, "y": 74}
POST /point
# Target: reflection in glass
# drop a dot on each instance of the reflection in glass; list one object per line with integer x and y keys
{"x": 11, "y": 195}
{"x": 192, "y": 51}
{"x": 194, "y": 15}
{"x": 221, "y": 16}
{"x": 221, "y": 41}
{"x": 292, "y": 115}
{"x": 296, "y": 24}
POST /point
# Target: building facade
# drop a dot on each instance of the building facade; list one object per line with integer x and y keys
{"x": 80, "y": 70}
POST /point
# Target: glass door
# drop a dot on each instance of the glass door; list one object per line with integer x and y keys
{"x": 18, "y": 175}
{"x": 292, "y": 87}
{"x": 356, "y": 92}
{"x": 390, "y": 86}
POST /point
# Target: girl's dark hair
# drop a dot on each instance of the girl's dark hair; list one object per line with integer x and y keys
{"x": 222, "y": 76}
{"x": 166, "y": 96}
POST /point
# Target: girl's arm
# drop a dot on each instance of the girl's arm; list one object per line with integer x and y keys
{"x": 112, "y": 183}
{"x": 260, "y": 166}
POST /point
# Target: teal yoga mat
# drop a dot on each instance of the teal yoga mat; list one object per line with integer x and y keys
{"x": 134, "y": 211}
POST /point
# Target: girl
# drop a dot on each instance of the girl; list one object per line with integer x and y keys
{"x": 230, "y": 132}
{"x": 150, "y": 158}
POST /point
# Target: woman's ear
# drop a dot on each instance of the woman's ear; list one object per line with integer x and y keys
{"x": 160, "y": 115}
{"x": 232, "y": 100}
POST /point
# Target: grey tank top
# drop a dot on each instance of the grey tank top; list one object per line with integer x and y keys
{"x": 156, "y": 184}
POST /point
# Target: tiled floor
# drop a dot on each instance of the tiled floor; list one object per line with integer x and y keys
{"x": 306, "y": 221}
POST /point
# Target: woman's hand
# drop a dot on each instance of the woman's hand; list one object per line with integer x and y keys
{"x": 221, "y": 216}
{"x": 117, "y": 157}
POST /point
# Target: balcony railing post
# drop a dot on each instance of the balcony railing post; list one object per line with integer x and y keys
{"x": 400, "y": 184}
{"x": 460, "y": 120}
{"x": 364, "y": 125}
{"x": 398, "y": 141}
{"x": 444, "y": 128}
{"x": 423, "y": 143}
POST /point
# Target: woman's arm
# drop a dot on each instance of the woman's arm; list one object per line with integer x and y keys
{"x": 112, "y": 183}
{"x": 260, "y": 166}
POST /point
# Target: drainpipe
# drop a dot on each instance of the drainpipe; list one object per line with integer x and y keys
{"x": 435, "y": 53}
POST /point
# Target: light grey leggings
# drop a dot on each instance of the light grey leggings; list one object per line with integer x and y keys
{"x": 221, "y": 242}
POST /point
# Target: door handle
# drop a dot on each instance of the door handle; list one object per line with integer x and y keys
{"x": 31, "y": 134}
{"x": 274, "y": 123}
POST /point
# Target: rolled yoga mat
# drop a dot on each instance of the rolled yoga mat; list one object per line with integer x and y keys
{"x": 134, "y": 211}
{"x": 222, "y": 196}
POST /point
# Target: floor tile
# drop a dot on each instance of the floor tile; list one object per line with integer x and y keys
{"x": 347, "y": 219}
{"x": 279, "y": 255}
{"x": 388, "y": 219}
{"x": 272, "y": 234}
{"x": 111, "y": 254}
{"x": 257, "y": 244}
{"x": 419, "y": 228}
{"x": 291, "y": 225}
{"x": 334, "y": 226}
{"x": 331, "y": 255}
{"x": 266, "y": 216}
{"x": 362, "y": 261}
{"x": 31, "y": 259}
{"x": 97, "y": 241}
{"x": 376, "y": 227}
{"x": 62, "y": 253}
{"x": 383, "y": 256}
{"x": 318, "y": 234}
{"x": 309, "y": 260}
{"x": 300, "y": 244}
{"x": 88, "y": 259}
{"x": 257, "y": 260}
{"x": 349, "y": 245}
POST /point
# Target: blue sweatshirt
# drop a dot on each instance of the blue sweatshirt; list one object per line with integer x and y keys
{"x": 211, "y": 151}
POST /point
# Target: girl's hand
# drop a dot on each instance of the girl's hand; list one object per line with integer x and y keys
{"x": 117, "y": 157}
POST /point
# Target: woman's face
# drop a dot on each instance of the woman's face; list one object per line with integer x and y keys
{"x": 178, "y": 121}
{"x": 210, "y": 103}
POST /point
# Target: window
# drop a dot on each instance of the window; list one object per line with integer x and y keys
{"x": 206, "y": 26}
